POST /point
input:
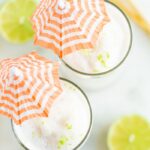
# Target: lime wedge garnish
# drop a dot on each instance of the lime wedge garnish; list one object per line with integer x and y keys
{"x": 15, "y": 25}
{"x": 130, "y": 133}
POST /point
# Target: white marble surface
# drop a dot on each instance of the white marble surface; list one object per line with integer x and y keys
{"x": 129, "y": 95}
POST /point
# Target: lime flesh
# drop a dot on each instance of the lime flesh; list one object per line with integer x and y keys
{"x": 15, "y": 25}
{"x": 130, "y": 133}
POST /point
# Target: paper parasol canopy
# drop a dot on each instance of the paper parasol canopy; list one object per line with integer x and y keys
{"x": 65, "y": 26}
{"x": 28, "y": 87}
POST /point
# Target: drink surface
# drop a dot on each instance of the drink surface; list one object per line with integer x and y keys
{"x": 112, "y": 46}
{"x": 68, "y": 123}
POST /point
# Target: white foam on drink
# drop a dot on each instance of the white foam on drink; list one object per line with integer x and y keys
{"x": 113, "y": 44}
{"x": 66, "y": 127}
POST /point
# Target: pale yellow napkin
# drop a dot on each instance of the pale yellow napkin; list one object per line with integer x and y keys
{"x": 138, "y": 10}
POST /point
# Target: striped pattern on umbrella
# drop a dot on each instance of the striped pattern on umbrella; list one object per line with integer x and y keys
{"x": 65, "y": 26}
{"x": 28, "y": 87}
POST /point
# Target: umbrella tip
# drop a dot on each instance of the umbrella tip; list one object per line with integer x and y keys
{"x": 15, "y": 72}
{"x": 62, "y": 4}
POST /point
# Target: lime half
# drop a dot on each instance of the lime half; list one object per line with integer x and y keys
{"x": 15, "y": 25}
{"x": 130, "y": 133}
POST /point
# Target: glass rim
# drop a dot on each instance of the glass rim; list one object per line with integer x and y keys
{"x": 120, "y": 62}
{"x": 90, "y": 124}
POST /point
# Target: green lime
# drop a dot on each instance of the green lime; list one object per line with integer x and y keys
{"x": 130, "y": 133}
{"x": 15, "y": 25}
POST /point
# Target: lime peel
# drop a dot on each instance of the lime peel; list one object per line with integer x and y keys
{"x": 63, "y": 140}
{"x": 69, "y": 126}
{"x": 103, "y": 57}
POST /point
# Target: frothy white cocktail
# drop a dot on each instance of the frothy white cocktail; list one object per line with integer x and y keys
{"x": 111, "y": 48}
{"x": 97, "y": 66}
{"x": 67, "y": 126}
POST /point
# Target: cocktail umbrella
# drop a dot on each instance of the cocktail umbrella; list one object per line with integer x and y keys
{"x": 65, "y": 26}
{"x": 28, "y": 87}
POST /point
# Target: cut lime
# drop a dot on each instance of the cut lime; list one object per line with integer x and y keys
{"x": 130, "y": 133}
{"x": 15, "y": 25}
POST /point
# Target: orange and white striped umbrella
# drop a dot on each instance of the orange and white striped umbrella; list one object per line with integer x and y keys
{"x": 28, "y": 87}
{"x": 65, "y": 26}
